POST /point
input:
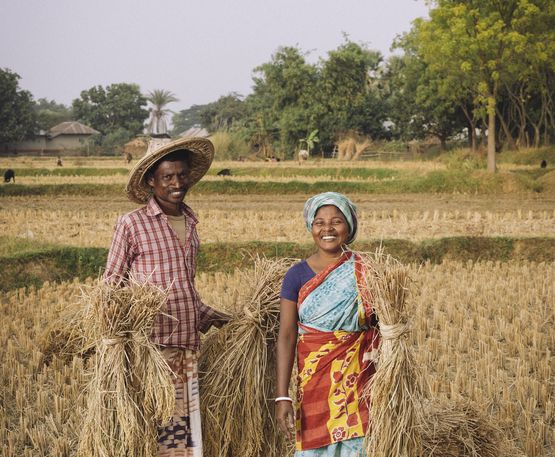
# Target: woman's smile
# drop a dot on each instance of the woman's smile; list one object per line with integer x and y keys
{"x": 329, "y": 229}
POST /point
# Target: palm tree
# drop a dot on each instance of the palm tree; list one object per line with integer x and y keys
{"x": 159, "y": 98}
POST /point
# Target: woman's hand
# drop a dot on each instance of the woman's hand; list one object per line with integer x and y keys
{"x": 285, "y": 418}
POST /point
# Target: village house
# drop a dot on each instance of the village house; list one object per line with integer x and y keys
{"x": 65, "y": 137}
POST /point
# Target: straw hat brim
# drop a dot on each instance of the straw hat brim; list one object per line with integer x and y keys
{"x": 202, "y": 154}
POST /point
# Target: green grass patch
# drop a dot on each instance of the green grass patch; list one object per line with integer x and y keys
{"x": 26, "y": 172}
{"x": 440, "y": 181}
{"x": 24, "y": 266}
{"x": 339, "y": 172}
{"x": 529, "y": 156}
{"x": 22, "y": 190}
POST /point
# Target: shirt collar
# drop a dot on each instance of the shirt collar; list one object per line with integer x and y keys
{"x": 153, "y": 209}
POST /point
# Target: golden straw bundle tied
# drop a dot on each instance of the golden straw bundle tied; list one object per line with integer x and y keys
{"x": 404, "y": 423}
{"x": 395, "y": 388}
{"x": 130, "y": 391}
{"x": 237, "y": 374}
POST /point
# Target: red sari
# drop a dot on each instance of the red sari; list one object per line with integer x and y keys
{"x": 334, "y": 355}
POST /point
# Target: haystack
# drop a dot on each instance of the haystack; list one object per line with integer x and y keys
{"x": 130, "y": 391}
{"x": 136, "y": 147}
{"x": 237, "y": 371}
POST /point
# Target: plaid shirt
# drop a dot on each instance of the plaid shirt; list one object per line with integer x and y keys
{"x": 145, "y": 245}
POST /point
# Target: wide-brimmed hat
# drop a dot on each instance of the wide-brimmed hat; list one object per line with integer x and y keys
{"x": 201, "y": 151}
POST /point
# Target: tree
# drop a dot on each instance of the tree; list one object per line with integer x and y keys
{"x": 50, "y": 113}
{"x": 348, "y": 94}
{"x": 422, "y": 101}
{"x": 118, "y": 106}
{"x": 159, "y": 98}
{"x": 223, "y": 113}
{"x": 17, "y": 117}
{"x": 187, "y": 118}
{"x": 283, "y": 100}
{"x": 477, "y": 43}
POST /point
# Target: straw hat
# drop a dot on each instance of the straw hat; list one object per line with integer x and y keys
{"x": 202, "y": 153}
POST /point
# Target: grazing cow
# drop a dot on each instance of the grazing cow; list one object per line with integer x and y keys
{"x": 224, "y": 172}
{"x": 543, "y": 164}
{"x": 9, "y": 175}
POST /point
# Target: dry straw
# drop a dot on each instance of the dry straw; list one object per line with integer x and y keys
{"x": 457, "y": 428}
{"x": 67, "y": 336}
{"x": 237, "y": 370}
{"x": 395, "y": 387}
{"x": 131, "y": 390}
{"x": 404, "y": 422}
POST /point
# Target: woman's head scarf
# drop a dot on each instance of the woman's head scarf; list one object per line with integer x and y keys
{"x": 338, "y": 200}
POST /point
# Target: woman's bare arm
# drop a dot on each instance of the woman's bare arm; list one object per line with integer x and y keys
{"x": 286, "y": 344}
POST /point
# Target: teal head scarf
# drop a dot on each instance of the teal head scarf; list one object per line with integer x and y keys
{"x": 341, "y": 202}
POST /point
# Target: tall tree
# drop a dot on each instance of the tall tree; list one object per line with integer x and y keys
{"x": 159, "y": 99}
{"x": 50, "y": 113}
{"x": 348, "y": 95}
{"x": 477, "y": 42}
{"x": 116, "y": 107}
{"x": 423, "y": 102}
{"x": 283, "y": 100}
{"x": 17, "y": 117}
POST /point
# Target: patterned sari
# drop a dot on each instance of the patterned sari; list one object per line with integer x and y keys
{"x": 334, "y": 357}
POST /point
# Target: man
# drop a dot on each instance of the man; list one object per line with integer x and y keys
{"x": 159, "y": 243}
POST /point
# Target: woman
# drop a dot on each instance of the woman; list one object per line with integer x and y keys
{"x": 326, "y": 315}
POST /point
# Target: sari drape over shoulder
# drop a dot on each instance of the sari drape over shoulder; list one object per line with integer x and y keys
{"x": 334, "y": 355}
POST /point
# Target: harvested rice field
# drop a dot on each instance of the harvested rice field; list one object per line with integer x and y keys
{"x": 480, "y": 331}
{"x": 89, "y": 222}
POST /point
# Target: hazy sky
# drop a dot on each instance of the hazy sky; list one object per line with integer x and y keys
{"x": 198, "y": 50}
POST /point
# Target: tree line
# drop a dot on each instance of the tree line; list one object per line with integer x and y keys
{"x": 473, "y": 66}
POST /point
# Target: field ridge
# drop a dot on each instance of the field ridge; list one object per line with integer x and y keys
{"x": 33, "y": 266}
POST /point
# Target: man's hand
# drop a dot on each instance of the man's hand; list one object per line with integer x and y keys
{"x": 220, "y": 320}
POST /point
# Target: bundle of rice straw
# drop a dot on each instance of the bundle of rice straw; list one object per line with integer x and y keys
{"x": 237, "y": 371}
{"x": 395, "y": 388}
{"x": 457, "y": 428}
{"x": 131, "y": 389}
{"x": 404, "y": 423}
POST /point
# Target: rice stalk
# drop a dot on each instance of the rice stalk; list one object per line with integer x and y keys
{"x": 130, "y": 391}
{"x": 237, "y": 370}
{"x": 395, "y": 387}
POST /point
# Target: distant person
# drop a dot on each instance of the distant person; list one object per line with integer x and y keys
{"x": 9, "y": 175}
{"x": 128, "y": 157}
{"x": 59, "y": 163}
{"x": 159, "y": 243}
{"x": 543, "y": 164}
